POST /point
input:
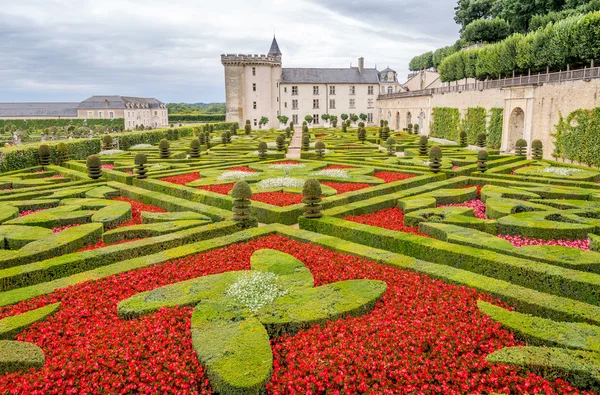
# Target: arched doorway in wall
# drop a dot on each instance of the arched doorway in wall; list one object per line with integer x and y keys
{"x": 408, "y": 118}
{"x": 389, "y": 117}
{"x": 398, "y": 120}
{"x": 421, "y": 122}
{"x": 516, "y": 128}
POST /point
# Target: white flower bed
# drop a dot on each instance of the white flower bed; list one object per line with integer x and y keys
{"x": 281, "y": 182}
{"x": 156, "y": 166}
{"x": 442, "y": 141}
{"x": 256, "y": 290}
{"x": 235, "y": 175}
{"x": 271, "y": 145}
{"x": 255, "y": 153}
{"x": 111, "y": 152}
{"x": 334, "y": 173}
{"x": 140, "y": 146}
{"x": 476, "y": 148}
{"x": 561, "y": 171}
{"x": 287, "y": 167}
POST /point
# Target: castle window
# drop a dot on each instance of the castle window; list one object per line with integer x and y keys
{"x": 390, "y": 90}
{"x": 100, "y": 114}
{"x": 111, "y": 114}
{"x": 254, "y": 87}
{"x": 370, "y": 117}
{"x": 315, "y": 90}
{"x": 294, "y": 105}
{"x": 352, "y": 90}
{"x": 285, "y": 89}
{"x": 352, "y": 103}
{"x": 332, "y": 90}
{"x": 370, "y": 90}
{"x": 295, "y": 90}
{"x": 254, "y": 105}
{"x": 255, "y": 122}
{"x": 316, "y": 103}
{"x": 332, "y": 104}
{"x": 285, "y": 104}
{"x": 90, "y": 114}
{"x": 254, "y": 74}
{"x": 295, "y": 119}
{"x": 316, "y": 119}
{"x": 370, "y": 103}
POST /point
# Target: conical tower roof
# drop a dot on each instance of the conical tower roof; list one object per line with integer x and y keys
{"x": 274, "y": 51}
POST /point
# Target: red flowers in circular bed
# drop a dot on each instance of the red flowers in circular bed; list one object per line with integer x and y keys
{"x": 182, "y": 179}
{"x": 343, "y": 187}
{"x": 280, "y": 199}
{"x": 223, "y": 189}
{"x": 424, "y": 336}
{"x": 391, "y": 176}
{"x": 391, "y": 218}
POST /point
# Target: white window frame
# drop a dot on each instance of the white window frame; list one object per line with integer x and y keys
{"x": 100, "y": 114}
{"x": 332, "y": 90}
{"x": 255, "y": 122}
{"x": 370, "y": 103}
{"x": 295, "y": 119}
{"x": 370, "y": 90}
{"x": 370, "y": 117}
{"x": 315, "y": 89}
{"x": 254, "y": 87}
{"x": 90, "y": 114}
{"x": 332, "y": 104}
{"x": 295, "y": 90}
{"x": 111, "y": 114}
{"x": 295, "y": 104}
{"x": 316, "y": 119}
{"x": 352, "y": 89}
{"x": 352, "y": 104}
{"x": 315, "y": 104}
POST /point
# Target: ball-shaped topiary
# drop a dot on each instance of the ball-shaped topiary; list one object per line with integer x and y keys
{"x": 62, "y": 153}
{"x": 361, "y": 124}
{"x": 462, "y": 138}
{"x": 537, "y": 150}
{"x": 224, "y": 138}
{"x": 195, "y": 148}
{"x": 423, "y": 142}
{"x": 288, "y": 132}
{"x": 410, "y": 128}
{"x": 521, "y": 147}
{"x": 435, "y": 159}
{"x": 481, "y": 140}
{"x": 94, "y": 164}
{"x": 311, "y": 191}
{"x": 248, "y": 127}
{"x": 280, "y": 143}
{"x": 416, "y": 129}
{"x": 262, "y": 150}
{"x": 44, "y": 153}
{"x": 140, "y": 161}
{"x": 320, "y": 149}
{"x": 241, "y": 194}
{"x": 391, "y": 144}
{"x": 164, "y": 149}
{"x": 482, "y": 159}
{"x": 362, "y": 135}
{"x": 305, "y": 143}
{"x": 107, "y": 142}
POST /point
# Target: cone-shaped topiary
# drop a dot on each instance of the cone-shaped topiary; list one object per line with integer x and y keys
{"x": 107, "y": 142}
{"x": 280, "y": 143}
{"x": 93, "y": 164}
{"x": 537, "y": 150}
{"x": 228, "y": 135}
{"x": 140, "y": 161}
{"x": 385, "y": 133}
{"x": 224, "y": 138}
{"x": 195, "y": 148}
{"x": 262, "y": 150}
{"x": 201, "y": 138}
{"x": 44, "y": 153}
{"x": 362, "y": 134}
{"x": 344, "y": 127}
{"x": 423, "y": 141}
{"x": 482, "y": 159}
{"x": 410, "y": 128}
{"x": 211, "y": 128}
{"x": 416, "y": 129}
{"x": 463, "y": 138}
{"x": 305, "y": 143}
{"x": 312, "y": 199}
{"x": 247, "y": 127}
{"x": 305, "y": 130}
{"x": 62, "y": 153}
{"x": 288, "y": 132}
{"x": 521, "y": 147}
{"x": 241, "y": 194}
{"x": 320, "y": 149}
{"x": 164, "y": 149}
{"x": 481, "y": 140}
{"x": 435, "y": 159}
{"x": 391, "y": 144}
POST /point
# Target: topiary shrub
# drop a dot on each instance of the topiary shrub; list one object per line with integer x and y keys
{"x": 416, "y": 129}
{"x": 312, "y": 199}
{"x": 435, "y": 159}
{"x": 224, "y": 138}
{"x": 62, "y": 153}
{"x": 228, "y": 135}
{"x": 410, "y": 128}
{"x": 305, "y": 130}
{"x": 164, "y": 149}
{"x": 94, "y": 164}
{"x": 305, "y": 143}
{"x": 262, "y": 150}
{"x": 481, "y": 140}
{"x": 195, "y": 148}
{"x": 247, "y": 127}
{"x": 233, "y": 129}
{"x": 44, "y": 153}
{"x": 140, "y": 161}
{"x": 361, "y": 124}
{"x": 202, "y": 138}
{"x": 385, "y": 134}
{"x": 391, "y": 145}
{"x": 241, "y": 194}
{"x": 320, "y": 149}
{"x": 482, "y": 159}
{"x": 362, "y": 135}
{"x": 107, "y": 142}
{"x": 423, "y": 141}
{"x": 288, "y": 132}
{"x": 344, "y": 127}
{"x": 462, "y": 138}
{"x": 537, "y": 150}
{"x": 280, "y": 143}
{"x": 521, "y": 147}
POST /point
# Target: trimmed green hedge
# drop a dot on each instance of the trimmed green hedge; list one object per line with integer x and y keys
{"x": 15, "y": 356}
{"x": 474, "y": 123}
{"x": 201, "y": 118}
{"x": 12, "y": 325}
{"x": 494, "y": 139}
{"x": 446, "y": 123}
{"x": 115, "y": 123}
{"x": 578, "y": 137}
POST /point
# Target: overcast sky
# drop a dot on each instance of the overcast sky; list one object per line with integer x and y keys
{"x": 68, "y": 50}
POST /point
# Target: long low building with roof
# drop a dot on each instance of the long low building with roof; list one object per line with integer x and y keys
{"x": 135, "y": 111}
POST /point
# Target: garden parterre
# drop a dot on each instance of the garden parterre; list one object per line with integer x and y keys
{"x": 411, "y": 281}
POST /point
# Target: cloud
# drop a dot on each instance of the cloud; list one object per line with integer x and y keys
{"x": 67, "y": 50}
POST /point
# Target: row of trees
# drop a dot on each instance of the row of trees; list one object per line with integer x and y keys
{"x": 572, "y": 41}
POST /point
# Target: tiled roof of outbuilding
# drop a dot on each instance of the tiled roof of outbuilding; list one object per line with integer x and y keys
{"x": 330, "y": 76}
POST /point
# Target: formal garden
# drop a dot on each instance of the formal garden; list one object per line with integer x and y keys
{"x": 350, "y": 260}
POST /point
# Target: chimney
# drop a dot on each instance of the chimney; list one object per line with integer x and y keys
{"x": 361, "y": 65}
{"x": 106, "y": 102}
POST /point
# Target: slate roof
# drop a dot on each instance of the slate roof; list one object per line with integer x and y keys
{"x": 274, "y": 51}
{"x": 117, "y": 102}
{"x": 330, "y": 76}
{"x": 38, "y": 109}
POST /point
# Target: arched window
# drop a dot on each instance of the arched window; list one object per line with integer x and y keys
{"x": 390, "y": 90}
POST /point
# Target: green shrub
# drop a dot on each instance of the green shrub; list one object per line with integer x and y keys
{"x": 241, "y": 194}
{"x": 320, "y": 149}
{"x": 435, "y": 159}
{"x": 416, "y": 129}
{"x": 481, "y": 140}
{"x": 248, "y": 127}
{"x": 482, "y": 159}
{"x": 385, "y": 134}
{"x": 475, "y": 123}
{"x": 262, "y": 150}
{"x": 463, "y": 138}
{"x": 140, "y": 161}
{"x": 446, "y": 122}
{"x": 195, "y": 148}
{"x": 280, "y": 143}
{"x": 305, "y": 143}
{"x": 495, "y": 128}
{"x": 521, "y": 147}
{"x": 44, "y": 153}
{"x": 362, "y": 135}
{"x": 164, "y": 149}
{"x": 423, "y": 142}
{"x": 311, "y": 191}
{"x": 94, "y": 164}
{"x": 537, "y": 150}
{"x": 224, "y": 138}
{"x": 391, "y": 144}
{"x": 288, "y": 132}
{"x": 197, "y": 118}
{"x": 410, "y": 128}
{"x": 107, "y": 142}
{"x": 62, "y": 153}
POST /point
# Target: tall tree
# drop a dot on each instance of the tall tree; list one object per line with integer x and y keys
{"x": 518, "y": 13}
{"x": 468, "y": 11}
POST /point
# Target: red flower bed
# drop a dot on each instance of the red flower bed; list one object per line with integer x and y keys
{"x": 280, "y": 199}
{"x": 521, "y": 241}
{"x": 343, "y": 187}
{"x": 391, "y": 218}
{"x": 136, "y": 211}
{"x": 285, "y": 162}
{"x": 182, "y": 179}
{"x": 101, "y": 244}
{"x": 333, "y": 167}
{"x": 479, "y": 188}
{"x": 424, "y": 336}
{"x": 27, "y": 212}
{"x": 390, "y": 176}
{"x": 242, "y": 168}
{"x": 477, "y": 205}
{"x": 320, "y": 136}
{"x": 223, "y": 189}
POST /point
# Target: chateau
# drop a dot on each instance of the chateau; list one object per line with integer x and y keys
{"x": 257, "y": 86}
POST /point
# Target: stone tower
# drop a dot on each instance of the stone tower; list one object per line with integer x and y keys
{"x": 252, "y": 86}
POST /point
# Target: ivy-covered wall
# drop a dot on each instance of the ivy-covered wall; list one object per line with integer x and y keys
{"x": 578, "y": 137}
{"x": 495, "y": 128}
{"x": 446, "y": 123}
{"x": 474, "y": 123}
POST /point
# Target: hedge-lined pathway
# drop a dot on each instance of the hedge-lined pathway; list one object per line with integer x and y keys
{"x": 295, "y": 145}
